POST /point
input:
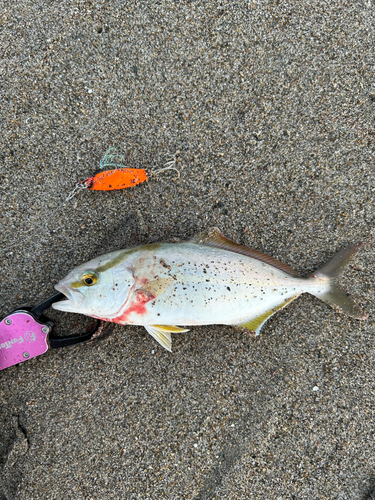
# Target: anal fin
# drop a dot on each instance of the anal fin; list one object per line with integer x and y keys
{"x": 162, "y": 334}
{"x": 256, "y": 324}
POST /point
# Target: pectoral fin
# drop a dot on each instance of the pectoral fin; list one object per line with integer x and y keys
{"x": 256, "y": 324}
{"x": 157, "y": 287}
{"x": 162, "y": 334}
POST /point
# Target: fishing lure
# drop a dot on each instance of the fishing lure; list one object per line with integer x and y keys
{"x": 118, "y": 176}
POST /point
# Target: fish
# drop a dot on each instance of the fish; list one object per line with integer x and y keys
{"x": 207, "y": 280}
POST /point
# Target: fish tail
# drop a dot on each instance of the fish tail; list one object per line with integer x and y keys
{"x": 333, "y": 294}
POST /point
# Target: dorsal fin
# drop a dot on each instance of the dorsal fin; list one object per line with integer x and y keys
{"x": 213, "y": 238}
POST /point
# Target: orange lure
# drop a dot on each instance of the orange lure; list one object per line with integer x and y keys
{"x": 119, "y": 178}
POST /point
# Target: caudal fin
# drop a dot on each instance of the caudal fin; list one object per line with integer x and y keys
{"x": 335, "y": 296}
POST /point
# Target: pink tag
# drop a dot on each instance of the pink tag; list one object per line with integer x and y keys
{"x": 21, "y": 338}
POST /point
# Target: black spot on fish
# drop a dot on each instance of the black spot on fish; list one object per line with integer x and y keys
{"x": 163, "y": 263}
{"x": 228, "y": 288}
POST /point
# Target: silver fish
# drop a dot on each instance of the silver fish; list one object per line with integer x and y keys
{"x": 207, "y": 280}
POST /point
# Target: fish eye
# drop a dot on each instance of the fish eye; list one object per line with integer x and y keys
{"x": 89, "y": 279}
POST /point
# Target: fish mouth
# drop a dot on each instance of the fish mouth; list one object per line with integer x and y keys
{"x": 72, "y": 302}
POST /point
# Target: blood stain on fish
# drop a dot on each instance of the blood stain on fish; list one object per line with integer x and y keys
{"x": 138, "y": 307}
